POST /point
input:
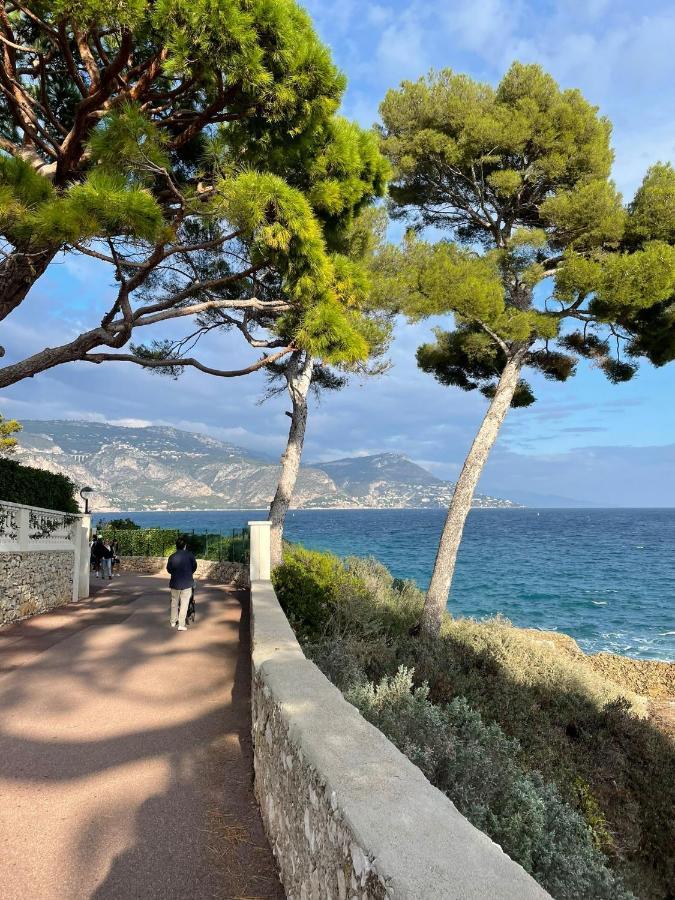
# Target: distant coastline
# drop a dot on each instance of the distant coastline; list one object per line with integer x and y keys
{"x": 127, "y": 512}
{"x": 162, "y": 469}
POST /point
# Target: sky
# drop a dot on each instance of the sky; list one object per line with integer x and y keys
{"x": 586, "y": 440}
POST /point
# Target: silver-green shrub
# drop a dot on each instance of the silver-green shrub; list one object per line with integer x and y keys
{"x": 476, "y": 766}
{"x": 576, "y": 729}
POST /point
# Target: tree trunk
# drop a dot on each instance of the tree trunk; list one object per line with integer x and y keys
{"x": 444, "y": 567}
{"x": 299, "y": 378}
{"x": 18, "y": 273}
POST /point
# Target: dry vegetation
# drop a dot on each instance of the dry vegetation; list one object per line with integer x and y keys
{"x": 589, "y": 729}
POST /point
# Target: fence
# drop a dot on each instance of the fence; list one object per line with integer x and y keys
{"x": 44, "y": 559}
{"x": 25, "y": 528}
{"x": 230, "y": 546}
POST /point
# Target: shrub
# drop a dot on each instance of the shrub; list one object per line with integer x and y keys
{"x": 321, "y": 593}
{"x": 36, "y": 487}
{"x": 582, "y": 732}
{"x": 119, "y": 525}
{"x": 143, "y": 541}
{"x": 476, "y": 766}
{"x": 315, "y": 590}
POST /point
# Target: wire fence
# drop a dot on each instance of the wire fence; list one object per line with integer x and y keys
{"x": 230, "y": 546}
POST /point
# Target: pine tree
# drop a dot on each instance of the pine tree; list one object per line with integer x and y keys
{"x": 541, "y": 264}
{"x": 302, "y": 372}
{"x": 107, "y": 114}
{"x": 311, "y": 316}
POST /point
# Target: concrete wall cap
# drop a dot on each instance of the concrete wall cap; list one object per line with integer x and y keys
{"x": 422, "y": 846}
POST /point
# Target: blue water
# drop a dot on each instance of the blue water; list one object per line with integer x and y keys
{"x": 604, "y": 576}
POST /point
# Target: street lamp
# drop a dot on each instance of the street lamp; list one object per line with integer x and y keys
{"x": 86, "y": 490}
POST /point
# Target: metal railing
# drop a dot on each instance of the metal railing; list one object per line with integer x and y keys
{"x": 221, "y": 546}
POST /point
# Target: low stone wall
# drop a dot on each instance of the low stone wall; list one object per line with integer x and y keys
{"x": 207, "y": 569}
{"x": 34, "y": 582}
{"x": 347, "y": 814}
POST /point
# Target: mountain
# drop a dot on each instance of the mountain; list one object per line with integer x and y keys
{"x": 389, "y": 480}
{"x": 165, "y": 468}
{"x": 550, "y": 501}
{"x": 356, "y": 473}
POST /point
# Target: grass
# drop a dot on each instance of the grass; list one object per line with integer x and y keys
{"x": 578, "y": 737}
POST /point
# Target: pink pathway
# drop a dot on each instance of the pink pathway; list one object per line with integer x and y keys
{"x": 125, "y": 757}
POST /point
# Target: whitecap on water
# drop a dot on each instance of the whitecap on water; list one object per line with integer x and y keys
{"x": 599, "y": 602}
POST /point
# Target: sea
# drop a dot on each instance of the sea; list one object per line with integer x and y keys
{"x": 604, "y": 576}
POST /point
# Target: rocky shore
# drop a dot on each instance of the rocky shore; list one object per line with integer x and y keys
{"x": 650, "y": 679}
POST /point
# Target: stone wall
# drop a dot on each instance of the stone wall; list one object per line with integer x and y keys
{"x": 347, "y": 815}
{"x": 34, "y": 582}
{"x": 208, "y": 570}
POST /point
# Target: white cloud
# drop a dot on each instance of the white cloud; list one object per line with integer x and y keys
{"x": 133, "y": 423}
{"x": 483, "y": 26}
{"x": 378, "y": 15}
{"x": 84, "y": 269}
{"x": 402, "y": 50}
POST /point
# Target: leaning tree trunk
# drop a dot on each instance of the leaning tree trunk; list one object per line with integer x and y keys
{"x": 51, "y": 357}
{"x": 444, "y": 567}
{"x": 299, "y": 378}
{"x": 18, "y": 273}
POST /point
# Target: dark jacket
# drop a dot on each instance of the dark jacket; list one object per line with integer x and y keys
{"x": 98, "y": 550}
{"x": 181, "y": 565}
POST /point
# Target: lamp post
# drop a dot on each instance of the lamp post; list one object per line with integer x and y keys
{"x": 86, "y": 490}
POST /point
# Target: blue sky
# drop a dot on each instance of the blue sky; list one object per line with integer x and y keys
{"x": 585, "y": 440}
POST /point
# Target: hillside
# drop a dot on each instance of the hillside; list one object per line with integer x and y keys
{"x": 162, "y": 468}
{"x": 391, "y": 480}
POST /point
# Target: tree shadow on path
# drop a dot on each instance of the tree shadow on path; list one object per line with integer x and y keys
{"x": 173, "y": 813}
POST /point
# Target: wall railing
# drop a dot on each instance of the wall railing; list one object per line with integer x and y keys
{"x": 25, "y": 528}
{"x": 32, "y": 529}
{"x": 345, "y": 812}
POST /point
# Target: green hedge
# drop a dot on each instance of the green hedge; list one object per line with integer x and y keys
{"x": 162, "y": 542}
{"x": 35, "y": 487}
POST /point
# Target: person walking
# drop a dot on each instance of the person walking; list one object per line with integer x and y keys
{"x": 182, "y": 566}
{"x": 97, "y": 553}
{"x": 116, "y": 562}
{"x": 106, "y": 561}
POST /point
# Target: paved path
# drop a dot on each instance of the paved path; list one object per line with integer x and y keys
{"x": 125, "y": 758}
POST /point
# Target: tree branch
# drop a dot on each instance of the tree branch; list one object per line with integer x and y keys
{"x": 140, "y": 319}
{"x": 197, "y": 288}
{"x": 96, "y": 97}
{"x": 187, "y": 361}
{"x": 495, "y": 337}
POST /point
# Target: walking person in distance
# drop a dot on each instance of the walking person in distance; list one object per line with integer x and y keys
{"x": 106, "y": 560}
{"x": 115, "y": 547}
{"x": 181, "y": 565}
{"x": 97, "y": 553}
